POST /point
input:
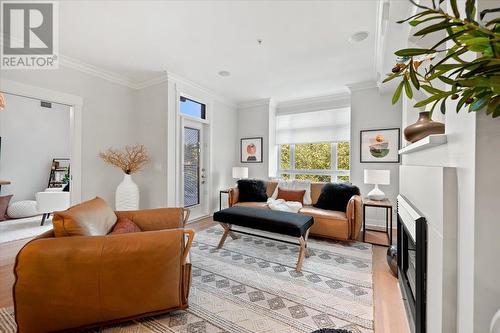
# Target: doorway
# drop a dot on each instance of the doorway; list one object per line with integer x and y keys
{"x": 194, "y": 168}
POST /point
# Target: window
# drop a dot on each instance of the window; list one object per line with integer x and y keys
{"x": 314, "y": 145}
{"x": 192, "y": 108}
{"x": 317, "y": 162}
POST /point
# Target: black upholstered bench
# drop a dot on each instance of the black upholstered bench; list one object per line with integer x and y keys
{"x": 284, "y": 223}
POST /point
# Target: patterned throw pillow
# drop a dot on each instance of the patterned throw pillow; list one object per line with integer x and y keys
{"x": 124, "y": 226}
{"x": 291, "y": 195}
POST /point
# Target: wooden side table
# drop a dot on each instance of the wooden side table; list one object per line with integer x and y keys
{"x": 220, "y": 197}
{"x": 387, "y": 205}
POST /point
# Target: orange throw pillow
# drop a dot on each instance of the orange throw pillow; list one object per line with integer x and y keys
{"x": 291, "y": 195}
{"x": 124, "y": 226}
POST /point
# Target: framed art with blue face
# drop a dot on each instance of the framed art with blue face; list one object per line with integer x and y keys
{"x": 251, "y": 150}
{"x": 380, "y": 145}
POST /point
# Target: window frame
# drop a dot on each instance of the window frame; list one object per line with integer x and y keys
{"x": 204, "y": 109}
{"x": 333, "y": 172}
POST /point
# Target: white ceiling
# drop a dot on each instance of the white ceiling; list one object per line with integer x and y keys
{"x": 305, "y": 49}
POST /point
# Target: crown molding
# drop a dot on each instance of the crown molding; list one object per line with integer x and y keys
{"x": 362, "y": 85}
{"x": 176, "y": 78}
{"x": 96, "y": 71}
{"x": 333, "y": 97}
{"x": 255, "y": 103}
{"x": 151, "y": 82}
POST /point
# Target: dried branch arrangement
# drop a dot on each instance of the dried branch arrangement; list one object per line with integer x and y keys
{"x": 131, "y": 159}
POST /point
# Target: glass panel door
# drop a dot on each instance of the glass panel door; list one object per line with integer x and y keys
{"x": 192, "y": 166}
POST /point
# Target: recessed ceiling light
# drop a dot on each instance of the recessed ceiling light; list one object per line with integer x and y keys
{"x": 358, "y": 36}
{"x": 224, "y": 73}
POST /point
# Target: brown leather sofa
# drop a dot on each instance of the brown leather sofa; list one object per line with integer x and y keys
{"x": 77, "y": 276}
{"x": 327, "y": 223}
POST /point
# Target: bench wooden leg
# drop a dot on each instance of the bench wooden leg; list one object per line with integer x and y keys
{"x": 306, "y": 237}
{"x": 227, "y": 231}
{"x": 302, "y": 251}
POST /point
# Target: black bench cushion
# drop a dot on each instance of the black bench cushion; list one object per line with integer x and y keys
{"x": 285, "y": 223}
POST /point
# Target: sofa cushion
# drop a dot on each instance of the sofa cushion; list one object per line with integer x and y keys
{"x": 124, "y": 225}
{"x": 291, "y": 195}
{"x": 252, "y": 204}
{"x": 323, "y": 213}
{"x": 252, "y": 190}
{"x": 4, "y": 204}
{"x": 91, "y": 218}
{"x": 335, "y": 196}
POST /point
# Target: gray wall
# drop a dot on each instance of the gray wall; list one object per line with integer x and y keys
{"x": 108, "y": 120}
{"x": 151, "y": 108}
{"x": 371, "y": 110}
{"x": 31, "y": 137}
{"x": 253, "y": 121}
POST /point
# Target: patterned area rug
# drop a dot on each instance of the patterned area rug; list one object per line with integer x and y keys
{"x": 251, "y": 286}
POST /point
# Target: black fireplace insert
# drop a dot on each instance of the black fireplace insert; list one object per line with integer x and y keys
{"x": 412, "y": 262}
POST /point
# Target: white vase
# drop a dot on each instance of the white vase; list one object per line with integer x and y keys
{"x": 127, "y": 195}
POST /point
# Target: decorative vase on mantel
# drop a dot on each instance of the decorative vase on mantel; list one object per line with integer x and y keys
{"x": 423, "y": 127}
{"x": 127, "y": 194}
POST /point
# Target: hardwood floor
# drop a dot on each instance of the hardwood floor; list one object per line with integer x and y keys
{"x": 389, "y": 311}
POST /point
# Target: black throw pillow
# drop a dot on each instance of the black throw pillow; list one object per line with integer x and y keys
{"x": 252, "y": 190}
{"x": 335, "y": 196}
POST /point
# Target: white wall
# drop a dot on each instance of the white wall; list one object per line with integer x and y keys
{"x": 31, "y": 137}
{"x": 371, "y": 110}
{"x": 109, "y": 120}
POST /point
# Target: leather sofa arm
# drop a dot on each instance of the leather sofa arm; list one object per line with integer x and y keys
{"x": 233, "y": 196}
{"x": 68, "y": 282}
{"x": 354, "y": 214}
{"x": 157, "y": 219}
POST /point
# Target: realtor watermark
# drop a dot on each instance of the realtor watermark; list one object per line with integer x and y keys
{"x": 30, "y": 38}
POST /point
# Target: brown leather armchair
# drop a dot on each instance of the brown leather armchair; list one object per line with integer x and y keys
{"x": 65, "y": 283}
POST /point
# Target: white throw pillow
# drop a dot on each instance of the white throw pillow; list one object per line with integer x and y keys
{"x": 22, "y": 209}
{"x": 295, "y": 185}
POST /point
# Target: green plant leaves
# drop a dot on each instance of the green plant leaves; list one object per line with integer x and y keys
{"x": 412, "y": 52}
{"x": 397, "y": 93}
{"x": 413, "y": 76}
{"x": 436, "y": 27}
{"x": 470, "y": 9}
{"x": 454, "y": 7}
{"x": 408, "y": 90}
{"x": 475, "y": 84}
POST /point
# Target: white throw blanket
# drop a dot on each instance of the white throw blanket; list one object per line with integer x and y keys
{"x": 284, "y": 206}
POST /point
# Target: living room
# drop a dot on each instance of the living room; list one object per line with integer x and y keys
{"x": 270, "y": 152}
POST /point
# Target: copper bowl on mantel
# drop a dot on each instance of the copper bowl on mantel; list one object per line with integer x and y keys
{"x": 423, "y": 127}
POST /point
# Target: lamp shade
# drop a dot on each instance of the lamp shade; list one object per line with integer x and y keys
{"x": 240, "y": 172}
{"x": 379, "y": 177}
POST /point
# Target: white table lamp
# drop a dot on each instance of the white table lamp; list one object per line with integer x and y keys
{"x": 240, "y": 172}
{"x": 377, "y": 177}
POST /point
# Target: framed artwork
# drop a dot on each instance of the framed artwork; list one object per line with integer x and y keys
{"x": 251, "y": 150}
{"x": 380, "y": 145}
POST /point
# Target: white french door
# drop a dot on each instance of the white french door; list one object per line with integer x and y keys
{"x": 193, "y": 168}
